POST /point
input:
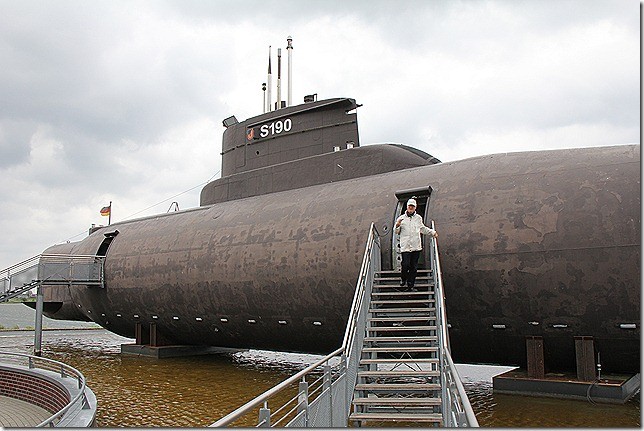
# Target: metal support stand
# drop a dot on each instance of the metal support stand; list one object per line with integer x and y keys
{"x": 153, "y": 335}
{"x": 138, "y": 333}
{"x": 534, "y": 347}
{"x": 38, "y": 325}
{"x": 585, "y": 356}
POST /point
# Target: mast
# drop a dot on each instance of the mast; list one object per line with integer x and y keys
{"x": 289, "y": 49}
{"x": 269, "y": 83}
{"x": 279, "y": 78}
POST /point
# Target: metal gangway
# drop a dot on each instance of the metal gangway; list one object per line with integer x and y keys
{"x": 49, "y": 269}
{"x": 380, "y": 375}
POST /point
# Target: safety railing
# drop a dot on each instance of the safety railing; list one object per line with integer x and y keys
{"x": 456, "y": 407}
{"x": 325, "y": 388}
{"x": 74, "y": 269}
{"x": 79, "y": 400}
{"x": 51, "y": 269}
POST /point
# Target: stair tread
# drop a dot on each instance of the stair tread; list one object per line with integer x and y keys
{"x": 401, "y": 318}
{"x": 403, "y": 301}
{"x": 398, "y": 361}
{"x": 401, "y": 417}
{"x": 391, "y": 271}
{"x": 399, "y": 349}
{"x": 402, "y": 328}
{"x": 402, "y": 339}
{"x": 398, "y": 286}
{"x": 399, "y": 373}
{"x": 397, "y": 386}
{"x": 420, "y": 293}
{"x": 416, "y": 401}
{"x": 402, "y": 310}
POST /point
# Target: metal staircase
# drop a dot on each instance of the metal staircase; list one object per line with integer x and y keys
{"x": 400, "y": 381}
{"x": 394, "y": 366}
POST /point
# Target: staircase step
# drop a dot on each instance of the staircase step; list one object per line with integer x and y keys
{"x": 392, "y": 387}
{"x": 401, "y": 328}
{"x": 419, "y": 349}
{"x": 408, "y": 294}
{"x": 401, "y": 319}
{"x": 399, "y": 373}
{"x": 398, "y": 286}
{"x": 392, "y": 272}
{"x": 419, "y": 339}
{"x": 398, "y": 361}
{"x": 403, "y": 310}
{"x": 403, "y": 301}
{"x": 399, "y": 402}
{"x": 397, "y": 417}
{"x": 396, "y": 281}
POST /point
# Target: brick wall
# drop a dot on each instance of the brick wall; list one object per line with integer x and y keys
{"x": 35, "y": 390}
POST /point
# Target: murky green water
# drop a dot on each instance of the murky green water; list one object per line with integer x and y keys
{"x": 196, "y": 391}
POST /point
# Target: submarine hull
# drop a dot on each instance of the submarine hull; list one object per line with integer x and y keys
{"x": 541, "y": 243}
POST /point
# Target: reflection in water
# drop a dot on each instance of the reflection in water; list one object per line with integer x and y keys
{"x": 196, "y": 391}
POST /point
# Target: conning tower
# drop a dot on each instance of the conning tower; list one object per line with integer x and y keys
{"x": 313, "y": 143}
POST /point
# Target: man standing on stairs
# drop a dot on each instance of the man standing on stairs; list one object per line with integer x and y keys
{"x": 409, "y": 226}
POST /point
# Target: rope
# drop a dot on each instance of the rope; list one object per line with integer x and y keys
{"x": 152, "y": 206}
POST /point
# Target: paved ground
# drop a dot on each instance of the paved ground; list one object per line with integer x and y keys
{"x": 17, "y": 413}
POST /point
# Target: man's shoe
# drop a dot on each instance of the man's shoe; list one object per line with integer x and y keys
{"x": 402, "y": 283}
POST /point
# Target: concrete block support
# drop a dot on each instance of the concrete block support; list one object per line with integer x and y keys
{"x": 585, "y": 357}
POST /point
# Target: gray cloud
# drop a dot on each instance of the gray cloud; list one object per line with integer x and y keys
{"x": 123, "y": 101}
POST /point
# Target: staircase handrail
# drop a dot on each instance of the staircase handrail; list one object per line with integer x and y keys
{"x": 18, "y": 265}
{"x": 359, "y": 296}
{"x": 446, "y": 357}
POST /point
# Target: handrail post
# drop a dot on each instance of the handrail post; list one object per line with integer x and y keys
{"x": 326, "y": 386}
{"x": 303, "y": 400}
{"x": 264, "y": 416}
{"x": 38, "y": 326}
{"x": 344, "y": 369}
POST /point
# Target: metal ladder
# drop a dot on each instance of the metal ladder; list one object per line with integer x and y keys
{"x": 399, "y": 378}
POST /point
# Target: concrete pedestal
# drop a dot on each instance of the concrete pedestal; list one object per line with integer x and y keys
{"x": 610, "y": 389}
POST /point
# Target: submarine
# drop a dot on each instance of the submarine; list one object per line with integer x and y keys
{"x": 537, "y": 243}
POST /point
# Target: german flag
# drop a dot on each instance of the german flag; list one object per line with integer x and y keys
{"x": 105, "y": 211}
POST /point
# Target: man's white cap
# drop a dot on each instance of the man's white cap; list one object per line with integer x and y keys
{"x": 411, "y": 202}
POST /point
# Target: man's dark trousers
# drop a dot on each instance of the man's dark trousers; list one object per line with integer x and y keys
{"x": 409, "y": 267}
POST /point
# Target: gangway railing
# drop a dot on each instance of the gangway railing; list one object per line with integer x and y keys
{"x": 51, "y": 269}
{"x": 456, "y": 407}
{"x": 325, "y": 388}
{"x": 66, "y": 416}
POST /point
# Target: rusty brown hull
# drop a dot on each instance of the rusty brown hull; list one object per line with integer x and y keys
{"x": 539, "y": 243}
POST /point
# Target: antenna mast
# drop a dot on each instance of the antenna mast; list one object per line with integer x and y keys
{"x": 270, "y": 79}
{"x": 279, "y": 78}
{"x": 289, "y": 48}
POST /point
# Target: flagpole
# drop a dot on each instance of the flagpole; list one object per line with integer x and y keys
{"x": 109, "y": 218}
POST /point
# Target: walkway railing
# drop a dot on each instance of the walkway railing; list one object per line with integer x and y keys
{"x": 325, "y": 388}
{"x": 78, "y": 401}
{"x": 456, "y": 407}
{"x": 51, "y": 269}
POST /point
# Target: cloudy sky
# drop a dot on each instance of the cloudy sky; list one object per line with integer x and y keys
{"x": 123, "y": 101}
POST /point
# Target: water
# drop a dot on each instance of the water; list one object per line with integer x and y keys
{"x": 196, "y": 391}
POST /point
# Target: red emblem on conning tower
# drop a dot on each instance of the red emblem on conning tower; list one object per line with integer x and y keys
{"x": 250, "y": 134}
